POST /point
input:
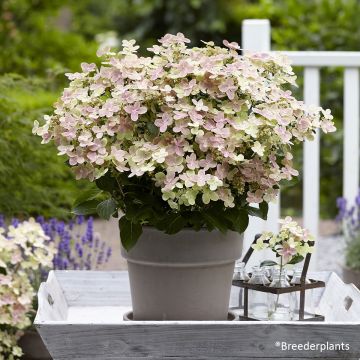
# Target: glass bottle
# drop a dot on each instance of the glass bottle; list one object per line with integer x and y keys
{"x": 257, "y": 299}
{"x": 240, "y": 272}
{"x": 309, "y": 310}
{"x": 280, "y": 306}
{"x": 269, "y": 271}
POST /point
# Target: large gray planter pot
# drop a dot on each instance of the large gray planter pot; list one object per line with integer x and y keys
{"x": 185, "y": 276}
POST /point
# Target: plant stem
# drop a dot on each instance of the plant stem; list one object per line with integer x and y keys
{"x": 277, "y": 297}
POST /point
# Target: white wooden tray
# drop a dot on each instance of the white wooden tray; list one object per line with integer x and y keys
{"x": 80, "y": 316}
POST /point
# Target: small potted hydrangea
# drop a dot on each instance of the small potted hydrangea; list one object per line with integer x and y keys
{"x": 290, "y": 245}
{"x": 181, "y": 143}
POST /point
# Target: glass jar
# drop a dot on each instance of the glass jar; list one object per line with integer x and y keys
{"x": 240, "y": 272}
{"x": 280, "y": 306}
{"x": 257, "y": 299}
{"x": 268, "y": 269}
{"x": 309, "y": 310}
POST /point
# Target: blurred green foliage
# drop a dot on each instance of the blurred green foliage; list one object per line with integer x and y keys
{"x": 42, "y": 39}
{"x": 33, "y": 179}
{"x": 352, "y": 254}
{"x": 35, "y": 38}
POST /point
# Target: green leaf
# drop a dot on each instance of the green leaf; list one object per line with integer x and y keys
{"x": 260, "y": 212}
{"x": 264, "y": 209}
{"x": 296, "y": 259}
{"x": 215, "y": 221}
{"x": 86, "y": 208}
{"x": 268, "y": 263}
{"x": 153, "y": 129}
{"x": 175, "y": 224}
{"x": 195, "y": 219}
{"x": 288, "y": 183}
{"x": 129, "y": 232}
{"x": 86, "y": 195}
{"x": 107, "y": 183}
{"x": 106, "y": 208}
{"x": 171, "y": 223}
{"x": 239, "y": 219}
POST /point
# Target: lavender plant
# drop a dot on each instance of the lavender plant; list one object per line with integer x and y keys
{"x": 78, "y": 246}
{"x": 349, "y": 217}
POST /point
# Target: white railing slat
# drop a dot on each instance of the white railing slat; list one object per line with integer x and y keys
{"x": 311, "y": 166}
{"x": 272, "y": 223}
{"x": 351, "y": 134}
{"x": 256, "y": 37}
{"x": 324, "y": 58}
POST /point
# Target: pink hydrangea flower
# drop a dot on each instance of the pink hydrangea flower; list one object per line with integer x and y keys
{"x": 233, "y": 45}
{"x": 135, "y": 110}
{"x": 218, "y": 125}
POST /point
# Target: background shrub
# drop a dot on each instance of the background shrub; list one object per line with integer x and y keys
{"x": 33, "y": 179}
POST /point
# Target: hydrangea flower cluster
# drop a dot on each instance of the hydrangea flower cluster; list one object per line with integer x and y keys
{"x": 28, "y": 250}
{"x": 291, "y": 244}
{"x": 204, "y": 123}
{"x": 24, "y": 249}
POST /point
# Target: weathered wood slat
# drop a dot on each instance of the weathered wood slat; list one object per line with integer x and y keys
{"x": 94, "y": 329}
{"x": 340, "y": 301}
{"x": 87, "y": 288}
{"x": 208, "y": 341}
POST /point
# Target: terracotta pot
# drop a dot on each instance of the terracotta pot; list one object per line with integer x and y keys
{"x": 351, "y": 276}
{"x": 33, "y": 347}
{"x": 185, "y": 276}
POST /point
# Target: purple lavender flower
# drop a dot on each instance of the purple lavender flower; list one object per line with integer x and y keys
{"x": 90, "y": 230}
{"x": 350, "y": 217}
{"x": 15, "y": 222}
{"x": 341, "y": 204}
{"x": 65, "y": 264}
{"x": 100, "y": 258}
{"x": 71, "y": 224}
{"x": 80, "y": 219}
{"x": 108, "y": 254}
{"x": 40, "y": 219}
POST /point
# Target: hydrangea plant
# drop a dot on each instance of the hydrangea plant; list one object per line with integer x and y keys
{"x": 185, "y": 137}
{"x": 291, "y": 244}
{"x": 24, "y": 249}
{"x": 29, "y": 249}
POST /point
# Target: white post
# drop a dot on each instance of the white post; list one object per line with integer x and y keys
{"x": 256, "y": 36}
{"x": 311, "y": 188}
{"x": 351, "y": 134}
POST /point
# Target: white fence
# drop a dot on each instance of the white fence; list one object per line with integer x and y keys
{"x": 256, "y": 37}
